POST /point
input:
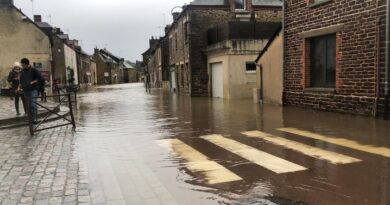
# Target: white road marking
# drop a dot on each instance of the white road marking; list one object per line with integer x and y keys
{"x": 197, "y": 162}
{"x": 332, "y": 157}
{"x": 383, "y": 151}
{"x": 268, "y": 161}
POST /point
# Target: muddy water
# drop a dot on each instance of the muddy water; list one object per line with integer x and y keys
{"x": 120, "y": 127}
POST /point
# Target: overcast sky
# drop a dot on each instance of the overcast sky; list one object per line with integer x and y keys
{"x": 122, "y": 26}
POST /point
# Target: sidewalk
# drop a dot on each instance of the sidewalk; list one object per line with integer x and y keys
{"x": 7, "y": 108}
{"x": 41, "y": 170}
{"x": 9, "y": 119}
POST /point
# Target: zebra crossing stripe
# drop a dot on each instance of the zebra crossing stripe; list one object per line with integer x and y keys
{"x": 199, "y": 163}
{"x": 383, "y": 151}
{"x": 332, "y": 157}
{"x": 268, "y": 161}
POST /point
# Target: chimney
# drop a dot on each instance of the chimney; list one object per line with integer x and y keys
{"x": 37, "y": 18}
{"x": 6, "y": 3}
{"x": 175, "y": 15}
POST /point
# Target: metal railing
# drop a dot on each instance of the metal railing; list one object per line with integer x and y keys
{"x": 35, "y": 122}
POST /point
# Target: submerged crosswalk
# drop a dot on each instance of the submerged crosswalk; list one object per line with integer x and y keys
{"x": 332, "y": 157}
{"x": 199, "y": 163}
{"x": 268, "y": 161}
{"x": 215, "y": 173}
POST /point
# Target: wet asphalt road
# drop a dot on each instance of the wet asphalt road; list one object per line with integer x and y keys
{"x": 120, "y": 130}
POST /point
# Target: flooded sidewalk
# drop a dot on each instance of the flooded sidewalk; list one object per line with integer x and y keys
{"x": 131, "y": 147}
{"x": 168, "y": 149}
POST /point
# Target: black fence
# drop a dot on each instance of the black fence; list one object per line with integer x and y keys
{"x": 242, "y": 30}
{"x": 64, "y": 96}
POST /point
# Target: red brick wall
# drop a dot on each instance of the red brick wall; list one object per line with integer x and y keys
{"x": 356, "y": 54}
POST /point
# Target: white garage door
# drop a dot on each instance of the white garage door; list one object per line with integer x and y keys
{"x": 217, "y": 80}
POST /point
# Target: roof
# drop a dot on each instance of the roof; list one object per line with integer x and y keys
{"x": 128, "y": 65}
{"x": 28, "y": 19}
{"x": 267, "y": 3}
{"x": 210, "y": 2}
{"x": 106, "y": 58}
{"x": 110, "y": 54}
{"x": 43, "y": 25}
{"x": 63, "y": 36}
{"x": 271, "y": 40}
{"x": 226, "y": 2}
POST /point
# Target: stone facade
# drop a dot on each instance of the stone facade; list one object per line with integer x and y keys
{"x": 188, "y": 39}
{"x": 21, "y": 38}
{"x": 359, "y": 71}
{"x": 108, "y": 67}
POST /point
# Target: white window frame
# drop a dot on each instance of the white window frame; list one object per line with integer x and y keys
{"x": 244, "y": 4}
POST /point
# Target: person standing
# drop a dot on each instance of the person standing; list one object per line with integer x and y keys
{"x": 29, "y": 83}
{"x": 14, "y": 80}
{"x": 41, "y": 89}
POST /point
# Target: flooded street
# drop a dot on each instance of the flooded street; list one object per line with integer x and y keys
{"x": 168, "y": 149}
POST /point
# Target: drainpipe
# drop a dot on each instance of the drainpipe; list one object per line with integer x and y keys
{"x": 387, "y": 58}
{"x": 378, "y": 69}
{"x": 283, "y": 47}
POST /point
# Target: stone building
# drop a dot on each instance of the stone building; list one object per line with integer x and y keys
{"x": 22, "y": 38}
{"x": 64, "y": 55}
{"x": 130, "y": 74}
{"x": 335, "y": 55}
{"x": 188, "y": 37}
{"x": 86, "y": 68}
{"x": 108, "y": 67}
{"x": 152, "y": 60}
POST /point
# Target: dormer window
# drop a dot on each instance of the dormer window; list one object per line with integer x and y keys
{"x": 240, "y": 4}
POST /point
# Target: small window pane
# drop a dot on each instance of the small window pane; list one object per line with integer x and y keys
{"x": 239, "y": 4}
{"x": 251, "y": 67}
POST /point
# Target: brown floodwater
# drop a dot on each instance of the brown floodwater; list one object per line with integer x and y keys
{"x": 119, "y": 129}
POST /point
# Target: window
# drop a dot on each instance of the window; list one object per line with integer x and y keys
{"x": 186, "y": 31}
{"x": 313, "y": 3}
{"x": 239, "y": 4}
{"x": 170, "y": 46}
{"x": 323, "y": 61}
{"x": 176, "y": 41}
{"x": 250, "y": 67}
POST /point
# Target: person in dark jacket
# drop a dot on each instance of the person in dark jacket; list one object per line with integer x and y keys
{"x": 29, "y": 83}
{"x": 14, "y": 80}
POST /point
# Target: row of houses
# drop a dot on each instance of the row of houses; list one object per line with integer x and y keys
{"x": 205, "y": 42}
{"x": 318, "y": 54}
{"x": 58, "y": 58}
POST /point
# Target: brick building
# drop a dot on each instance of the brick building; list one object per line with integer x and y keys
{"x": 334, "y": 55}
{"x": 188, "y": 37}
